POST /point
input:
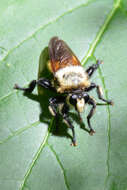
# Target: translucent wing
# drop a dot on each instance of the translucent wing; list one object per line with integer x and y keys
{"x": 61, "y": 55}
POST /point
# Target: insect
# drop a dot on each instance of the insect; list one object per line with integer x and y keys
{"x": 70, "y": 82}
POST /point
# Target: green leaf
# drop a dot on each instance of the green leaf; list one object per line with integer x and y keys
{"x": 33, "y": 155}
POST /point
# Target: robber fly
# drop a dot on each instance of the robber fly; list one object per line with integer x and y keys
{"x": 70, "y": 82}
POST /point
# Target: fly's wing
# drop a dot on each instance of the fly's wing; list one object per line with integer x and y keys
{"x": 61, "y": 55}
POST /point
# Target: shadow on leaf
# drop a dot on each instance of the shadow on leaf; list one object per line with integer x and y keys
{"x": 58, "y": 127}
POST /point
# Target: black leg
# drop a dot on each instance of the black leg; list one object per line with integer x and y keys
{"x": 73, "y": 101}
{"x": 93, "y": 68}
{"x": 68, "y": 122}
{"x": 91, "y": 87}
{"x": 91, "y": 102}
{"x": 45, "y": 83}
{"x": 29, "y": 89}
{"x": 65, "y": 111}
{"x": 99, "y": 93}
{"x": 53, "y": 104}
{"x": 58, "y": 104}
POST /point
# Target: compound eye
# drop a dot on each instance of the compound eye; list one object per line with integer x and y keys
{"x": 74, "y": 96}
{"x": 84, "y": 94}
{"x": 73, "y": 99}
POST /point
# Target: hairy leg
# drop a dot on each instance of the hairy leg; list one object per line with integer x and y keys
{"x": 99, "y": 93}
{"x": 93, "y": 68}
{"x": 65, "y": 114}
{"x": 91, "y": 102}
{"x": 45, "y": 83}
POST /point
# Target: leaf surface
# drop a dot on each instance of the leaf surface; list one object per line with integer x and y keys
{"x": 33, "y": 156}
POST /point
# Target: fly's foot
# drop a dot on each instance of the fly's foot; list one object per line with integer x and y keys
{"x": 16, "y": 86}
{"x": 91, "y": 132}
{"x": 111, "y": 103}
{"x": 74, "y": 143}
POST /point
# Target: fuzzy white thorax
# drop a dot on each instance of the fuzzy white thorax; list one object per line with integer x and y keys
{"x": 71, "y": 77}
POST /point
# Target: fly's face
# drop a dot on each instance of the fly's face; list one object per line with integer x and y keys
{"x": 78, "y": 101}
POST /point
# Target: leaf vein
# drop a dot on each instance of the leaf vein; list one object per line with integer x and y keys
{"x": 61, "y": 166}
{"x": 18, "y": 132}
{"x": 10, "y": 93}
{"x": 99, "y": 35}
{"x": 44, "y": 26}
{"x": 84, "y": 60}
{"x": 7, "y": 95}
{"x": 36, "y": 156}
{"x": 109, "y": 126}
